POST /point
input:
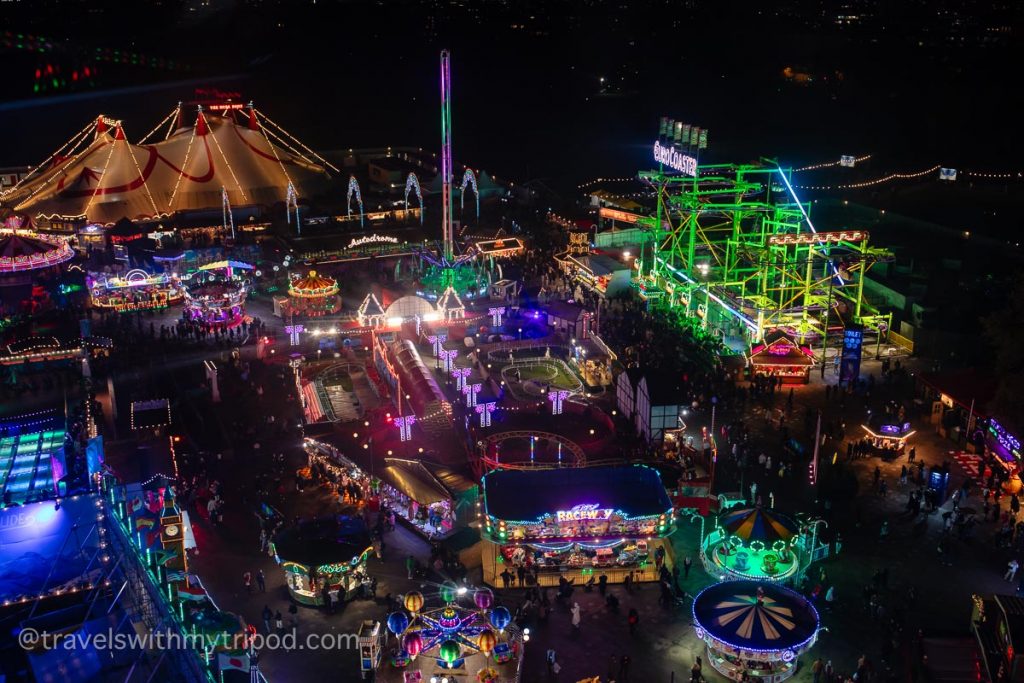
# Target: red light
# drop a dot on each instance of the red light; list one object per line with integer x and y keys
{"x": 49, "y": 68}
{"x": 85, "y": 71}
{"x": 39, "y": 73}
{"x": 74, "y": 75}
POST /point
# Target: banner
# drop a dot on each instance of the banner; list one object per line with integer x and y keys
{"x": 703, "y": 140}
{"x": 663, "y": 126}
{"x": 678, "y": 133}
{"x": 694, "y": 136}
{"x": 847, "y": 161}
{"x": 948, "y": 174}
{"x": 684, "y": 139}
{"x": 850, "y": 354}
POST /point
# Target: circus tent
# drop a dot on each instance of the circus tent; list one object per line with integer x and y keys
{"x": 106, "y": 178}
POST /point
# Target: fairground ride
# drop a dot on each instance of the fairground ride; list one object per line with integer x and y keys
{"x": 734, "y": 246}
{"x": 448, "y": 269}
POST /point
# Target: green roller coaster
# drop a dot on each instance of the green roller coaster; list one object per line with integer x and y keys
{"x": 734, "y": 245}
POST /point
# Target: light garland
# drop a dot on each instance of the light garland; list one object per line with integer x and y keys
{"x": 829, "y": 164}
{"x": 298, "y": 142}
{"x": 73, "y": 143}
{"x": 174, "y": 112}
{"x": 871, "y": 183}
{"x": 223, "y": 156}
{"x": 92, "y": 197}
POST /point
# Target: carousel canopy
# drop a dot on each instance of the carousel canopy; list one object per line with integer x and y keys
{"x": 758, "y": 524}
{"x": 523, "y": 495}
{"x": 21, "y": 251}
{"x": 313, "y": 285}
{"x": 755, "y": 616}
{"x": 328, "y": 540}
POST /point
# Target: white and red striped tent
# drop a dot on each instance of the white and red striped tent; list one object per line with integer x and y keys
{"x": 106, "y": 178}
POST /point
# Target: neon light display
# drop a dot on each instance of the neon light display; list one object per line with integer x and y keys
{"x": 1004, "y": 438}
{"x": 353, "y": 189}
{"x": 469, "y": 179}
{"x": 404, "y": 425}
{"x": 584, "y": 511}
{"x": 413, "y": 183}
{"x": 674, "y": 159}
{"x": 484, "y": 410}
{"x": 371, "y": 239}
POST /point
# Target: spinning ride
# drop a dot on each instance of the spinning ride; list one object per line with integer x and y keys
{"x": 454, "y": 641}
{"x": 134, "y": 291}
{"x": 23, "y": 252}
{"x": 752, "y": 543}
{"x": 754, "y": 631}
{"x": 313, "y": 296}
{"x": 216, "y": 295}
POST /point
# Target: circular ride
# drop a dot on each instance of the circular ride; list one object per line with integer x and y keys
{"x": 133, "y": 291}
{"x": 215, "y": 295}
{"x": 22, "y": 253}
{"x": 453, "y": 641}
{"x": 754, "y": 631}
{"x": 752, "y": 543}
{"x": 313, "y": 296}
{"x": 324, "y": 559}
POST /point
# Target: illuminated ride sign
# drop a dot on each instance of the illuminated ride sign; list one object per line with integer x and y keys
{"x": 820, "y": 237}
{"x": 616, "y": 215}
{"x": 584, "y": 512}
{"x": 371, "y": 239}
{"x": 675, "y": 160}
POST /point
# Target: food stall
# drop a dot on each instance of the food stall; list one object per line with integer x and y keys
{"x": 576, "y": 523}
{"x": 325, "y": 556}
{"x": 754, "y": 631}
{"x": 432, "y": 498}
{"x": 887, "y": 435}
{"x": 780, "y": 356}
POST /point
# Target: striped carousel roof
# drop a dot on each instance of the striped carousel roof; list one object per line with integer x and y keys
{"x": 758, "y": 524}
{"x": 755, "y": 616}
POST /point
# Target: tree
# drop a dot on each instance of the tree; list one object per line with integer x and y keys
{"x": 1003, "y": 330}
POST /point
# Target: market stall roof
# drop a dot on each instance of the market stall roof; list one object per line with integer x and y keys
{"x": 780, "y": 349}
{"x": 964, "y": 387}
{"x": 327, "y": 540}
{"x": 758, "y": 524}
{"x": 416, "y": 480}
{"x": 221, "y": 265}
{"x": 778, "y": 619}
{"x": 563, "y": 310}
{"x": 521, "y": 495}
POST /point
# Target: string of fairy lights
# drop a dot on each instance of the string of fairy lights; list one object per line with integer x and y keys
{"x": 890, "y": 177}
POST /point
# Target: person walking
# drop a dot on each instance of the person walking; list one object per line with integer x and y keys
{"x": 279, "y": 622}
{"x": 816, "y": 669}
{"x": 576, "y": 618}
{"x": 261, "y": 580}
{"x": 624, "y": 669}
{"x": 613, "y": 667}
{"x": 410, "y": 565}
{"x": 267, "y": 616}
{"x": 247, "y": 581}
{"x": 1011, "y": 569}
{"x": 687, "y": 563}
{"x": 293, "y": 615}
{"x": 633, "y": 619}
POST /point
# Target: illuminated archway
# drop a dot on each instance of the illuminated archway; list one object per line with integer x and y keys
{"x": 353, "y": 188}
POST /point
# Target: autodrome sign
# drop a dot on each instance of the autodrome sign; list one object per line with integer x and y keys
{"x": 819, "y": 237}
{"x": 674, "y": 159}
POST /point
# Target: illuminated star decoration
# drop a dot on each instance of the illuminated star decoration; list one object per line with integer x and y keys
{"x": 751, "y": 610}
{"x": 485, "y": 410}
{"x": 404, "y": 425}
{"x": 448, "y": 358}
{"x": 460, "y": 375}
{"x": 438, "y": 341}
{"x": 471, "y": 390}
{"x": 293, "y": 333}
{"x": 557, "y": 396}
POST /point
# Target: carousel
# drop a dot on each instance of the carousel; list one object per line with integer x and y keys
{"x": 754, "y": 631}
{"x": 136, "y": 290}
{"x": 453, "y": 641}
{"x": 324, "y": 559}
{"x": 753, "y": 543}
{"x": 216, "y": 294}
{"x": 23, "y": 252}
{"x": 313, "y": 296}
